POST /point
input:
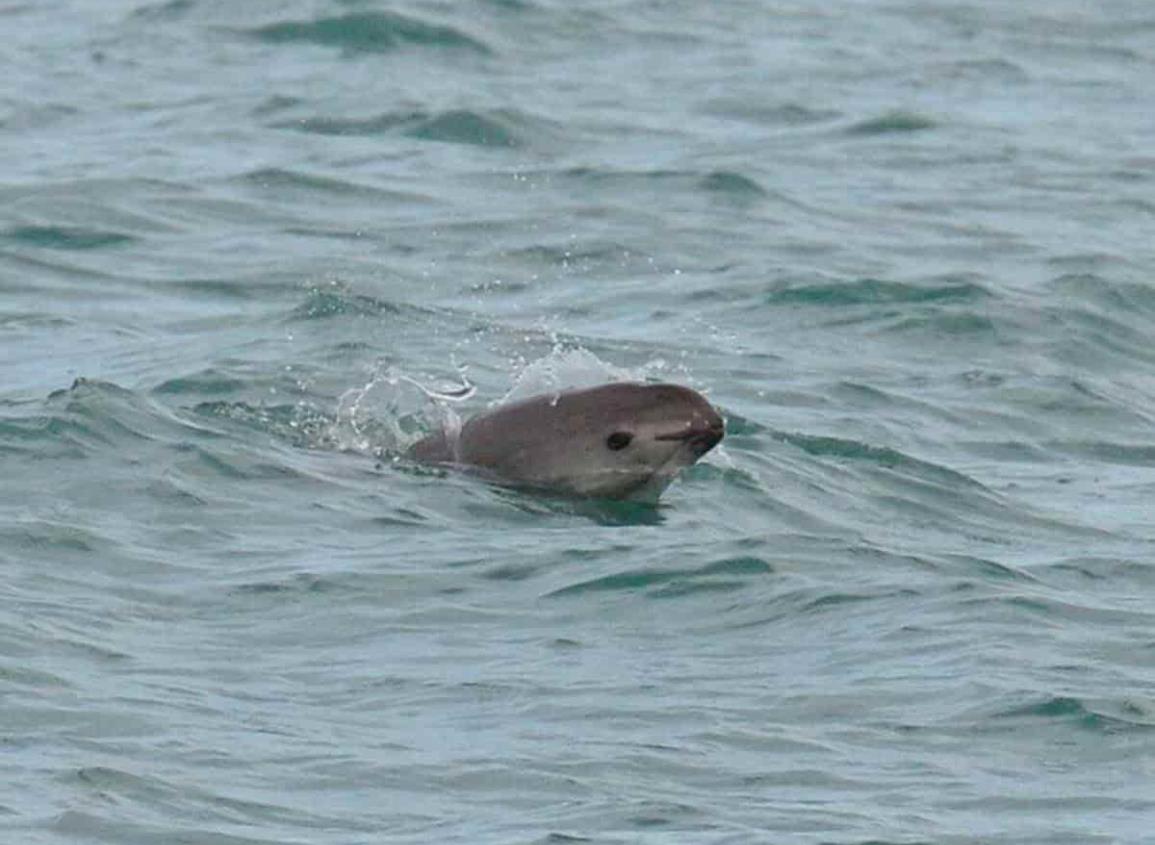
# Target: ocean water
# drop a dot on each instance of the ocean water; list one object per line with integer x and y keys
{"x": 907, "y": 248}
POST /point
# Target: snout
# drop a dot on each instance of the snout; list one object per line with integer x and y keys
{"x": 701, "y": 434}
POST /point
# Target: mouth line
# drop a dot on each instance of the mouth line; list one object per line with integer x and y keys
{"x": 703, "y": 438}
{"x": 691, "y": 433}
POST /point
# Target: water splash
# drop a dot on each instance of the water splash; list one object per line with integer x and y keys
{"x": 392, "y": 410}
{"x": 568, "y": 368}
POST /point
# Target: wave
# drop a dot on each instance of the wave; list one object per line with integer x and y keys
{"x": 369, "y": 32}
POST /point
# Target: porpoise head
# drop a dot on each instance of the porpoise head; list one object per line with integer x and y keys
{"x": 621, "y": 440}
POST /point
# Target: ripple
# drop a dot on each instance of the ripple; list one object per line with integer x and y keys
{"x": 207, "y": 382}
{"x": 499, "y": 128}
{"x": 587, "y": 255}
{"x": 1001, "y": 70}
{"x": 65, "y": 237}
{"x": 785, "y": 115}
{"x": 59, "y": 538}
{"x": 462, "y": 126}
{"x": 961, "y": 325}
{"x": 335, "y": 301}
{"x": 731, "y": 184}
{"x": 297, "y": 184}
{"x": 875, "y": 292}
{"x": 895, "y": 122}
{"x": 379, "y": 125}
{"x": 299, "y": 424}
{"x": 1123, "y": 454}
{"x": 369, "y": 32}
{"x": 164, "y": 11}
{"x": 721, "y": 575}
{"x": 89, "y": 416}
{"x": 1099, "y": 716}
{"x": 1119, "y": 297}
{"x": 883, "y": 456}
{"x": 28, "y": 322}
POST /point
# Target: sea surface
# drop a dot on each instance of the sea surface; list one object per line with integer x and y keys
{"x": 908, "y": 250}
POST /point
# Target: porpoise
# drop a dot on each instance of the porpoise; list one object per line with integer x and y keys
{"x": 622, "y": 440}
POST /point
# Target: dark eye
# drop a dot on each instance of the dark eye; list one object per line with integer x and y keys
{"x": 619, "y": 440}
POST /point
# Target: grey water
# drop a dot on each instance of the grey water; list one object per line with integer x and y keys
{"x": 907, "y": 248}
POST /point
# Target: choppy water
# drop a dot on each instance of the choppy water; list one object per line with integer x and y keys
{"x": 906, "y": 247}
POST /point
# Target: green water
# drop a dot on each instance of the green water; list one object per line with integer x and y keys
{"x": 905, "y": 248}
